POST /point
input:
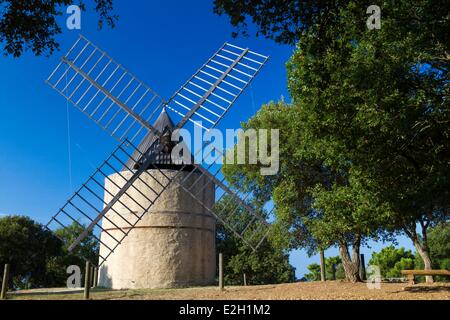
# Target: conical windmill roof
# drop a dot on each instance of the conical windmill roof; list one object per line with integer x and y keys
{"x": 163, "y": 159}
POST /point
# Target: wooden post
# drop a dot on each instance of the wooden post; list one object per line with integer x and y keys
{"x": 87, "y": 281}
{"x": 322, "y": 266}
{"x": 245, "y": 279}
{"x": 411, "y": 279}
{"x": 221, "y": 286}
{"x": 5, "y": 282}
{"x": 362, "y": 267}
{"x": 92, "y": 277}
{"x": 95, "y": 282}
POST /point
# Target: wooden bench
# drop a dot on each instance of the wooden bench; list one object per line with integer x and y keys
{"x": 412, "y": 273}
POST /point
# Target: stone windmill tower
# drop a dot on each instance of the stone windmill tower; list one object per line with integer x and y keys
{"x": 153, "y": 214}
{"x": 174, "y": 244}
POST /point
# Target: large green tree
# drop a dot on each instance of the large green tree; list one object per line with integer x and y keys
{"x": 375, "y": 102}
{"x": 371, "y": 105}
{"x": 28, "y": 247}
{"x": 289, "y": 186}
{"x": 33, "y": 24}
{"x": 317, "y": 206}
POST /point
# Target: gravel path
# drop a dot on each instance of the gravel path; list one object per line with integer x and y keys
{"x": 333, "y": 290}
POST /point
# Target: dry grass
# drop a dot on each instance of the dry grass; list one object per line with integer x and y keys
{"x": 334, "y": 290}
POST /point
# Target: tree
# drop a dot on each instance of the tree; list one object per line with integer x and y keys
{"x": 314, "y": 274}
{"x": 267, "y": 265}
{"x": 391, "y": 126}
{"x": 333, "y": 267}
{"x": 283, "y": 21}
{"x": 39, "y": 258}
{"x": 316, "y": 205}
{"x": 439, "y": 245}
{"x": 369, "y": 103}
{"x": 27, "y": 247}
{"x": 32, "y": 25}
{"x": 347, "y": 216}
{"x": 289, "y": 188}
{"x": 391, "y": 261}
{"x": 439, "y": 242}
{"x": 87, "y": 250}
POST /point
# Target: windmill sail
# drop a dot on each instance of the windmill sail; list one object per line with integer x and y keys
{"x": 208, "y": 95}
{"x": 106, "y": 92}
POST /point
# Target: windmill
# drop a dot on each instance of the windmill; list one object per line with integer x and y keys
{"x": 155, "y": 212}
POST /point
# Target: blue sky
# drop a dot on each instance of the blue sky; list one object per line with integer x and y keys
{"x": 161, "y": 42}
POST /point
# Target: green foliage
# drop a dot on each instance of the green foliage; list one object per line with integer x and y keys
{"x": 265, "y": 266}
{"x": 370, "y": 110}
{"x": 27, "y": 247}
{"x": 268, "y": 265}
{"x": 32, "y": 25}
{"x": 439, "y": 246}
{"x": 345, "y": 211}
{"x": 373, "y": 105}
{"x": 290, "y": 187}
{"x": 283, "y": 21}
{"x": 314, "y": 274}
{"x": 373, "y": 102}
{"x": 88, "y": 249}
{"x": 403, "y": 264}
{"x": 391, "y": 261}
{"x": 366, "y": 140}
{"x": 333, "y": 270}
{"x": 38, "y": 258}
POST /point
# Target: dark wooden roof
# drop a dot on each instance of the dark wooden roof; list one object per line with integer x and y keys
{"x": 163, "y": 159}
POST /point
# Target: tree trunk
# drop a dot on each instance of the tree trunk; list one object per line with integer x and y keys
{"x": 362, "y": 267}
{"x": 322, "y": 266}
{"x": 421, "y": 246}
{"x": 425, "y": 255}
{"x": 350, "y": 264}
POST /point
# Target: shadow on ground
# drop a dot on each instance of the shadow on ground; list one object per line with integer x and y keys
{"x": 53, "y": 294}
{"x": 425, "y": 289}
{"x": 35, "y": 294}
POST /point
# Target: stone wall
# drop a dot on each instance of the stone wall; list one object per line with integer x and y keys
{"x": 174, "y": 243}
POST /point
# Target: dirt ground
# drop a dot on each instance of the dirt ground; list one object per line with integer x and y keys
{"x": 333, "y": 290}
